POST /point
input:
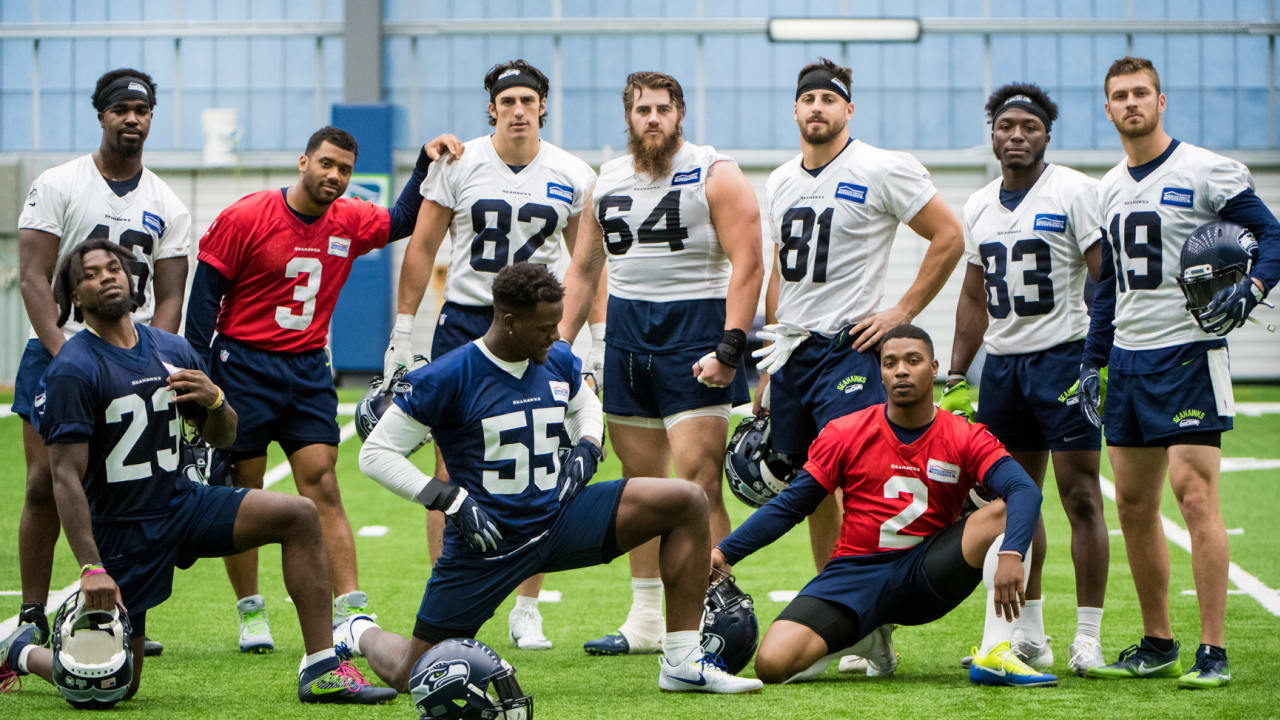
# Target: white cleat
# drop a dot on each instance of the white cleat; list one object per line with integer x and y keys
{"x": 873, "y": 655}
{"x": 1037, "y": 655}
{"x": 344, "y": 640}
{"x": 1085, "y": 653}
{"x": 814, "y": 670}
{"x": 699, "y": 674}
{"x": 524, "y": 628}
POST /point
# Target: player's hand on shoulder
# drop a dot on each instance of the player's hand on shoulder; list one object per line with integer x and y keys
{"x": 868, "y": 331}
{"x": 471, "y": 521}
{"x": 578, "y": 467}
{"x": 719, "y": 566}
{"x": 1009, "y": 597}
{"x": 957, "y": 397}
{"x": 711, "y": 372}
{"x": 442, "y": 145}
{"x": 194, "y": 386}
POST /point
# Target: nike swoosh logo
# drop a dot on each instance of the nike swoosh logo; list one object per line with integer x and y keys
{"x": 316, "y": 690}
{"x": 1072, "y": 439}
{"x": 1144, "y": 669}
{"x": 699, "y": 682}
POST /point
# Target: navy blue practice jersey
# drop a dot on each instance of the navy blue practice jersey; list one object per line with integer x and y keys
{"x": 117, "y": 401}
{"x": 498, "y": 434}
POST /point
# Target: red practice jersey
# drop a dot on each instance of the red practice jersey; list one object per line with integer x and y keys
{"x": 897, "y": 495}
{"x": 283, "y": 275}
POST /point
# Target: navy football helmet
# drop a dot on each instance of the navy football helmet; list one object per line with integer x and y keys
{"x": 202, "y": 463}
{"x": 755, "y": 472}
{"x": 92, "y": 655}
{"x": 465, "y": 679}
{"x": 1215, "y": 256}
{"x": 730, "y": 631}
{"x": 371, "y": 407}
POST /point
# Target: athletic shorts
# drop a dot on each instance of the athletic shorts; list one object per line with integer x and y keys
{"x": 899, "y": 587}
{"x": 285, "y": 397}
{"x": 466, "y": 587}
{"x": 459, "y": 325}
{"x": 657, "y": 385}
{"x": 1021, "y": 401}
{"x": 35, "y": 358}
{"x": 1150, "y": 409}
{"x": 825, "y": 378}
{"x": 140, "y": 555}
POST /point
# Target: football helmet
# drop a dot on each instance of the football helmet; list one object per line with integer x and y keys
{"x": 374, "y": 403}
{"x": 465, "y": 679}
{"x": 756, "y": 473}
{"x": 92, "y": 656}
{"x": 1215, "y": 256}
{"x": 202, "y": 463}
{"x": 729, "y": 627}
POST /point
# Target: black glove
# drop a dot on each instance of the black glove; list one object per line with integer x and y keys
{"x": 577, "y": 467}
{"x": 1231, "y": 307}
{"x": 471, "y": 521}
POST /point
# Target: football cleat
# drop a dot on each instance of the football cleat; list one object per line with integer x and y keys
{"x": 1002, "y": 667}
{"x": 1085, "y": 653}
{"x": 151, "y": 648}
{"x": 344, "y": 640}
{"x": 255, "y": 631}
{"x": 350, "y": 605}
{"x": 10, "y": 675}
{"x": 702, "y": 674}
{"x": 338, "y": 681}
{"x": 1139, "y": 661}
{"x": 524, "y": 628}
{"x": 1037, "y": 655}
{"x": 628, "y": 640}
{"x": 876, "y": 656}
{"x": 1210, "y": 670}
{"x": 32, "y": 613}
{"x": 611, "y": 644}
{"x": 464, "y": 678}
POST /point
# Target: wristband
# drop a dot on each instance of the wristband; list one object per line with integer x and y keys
{"x": 90, "y": 568}
{"x": 731, "y": 347}
{"x": 955, "y": 378}
{"x": 216, "y": 403}
{"x": 1014, "y": 553}
{"x": 95, "y": 571}
{"x": 597, "y": 332}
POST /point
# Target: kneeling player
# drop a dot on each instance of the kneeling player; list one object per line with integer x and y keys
{"x": 496, "y": 407}
{"x": 905, "y": 470}
{"x": 109, "y": 409}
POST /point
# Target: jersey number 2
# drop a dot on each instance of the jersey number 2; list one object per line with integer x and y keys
{"x": 890, "y": 530}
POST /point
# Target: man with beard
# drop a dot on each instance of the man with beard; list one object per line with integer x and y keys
{"x": 1171, "y": 396}
{"x": 270, "y": 270}
{"x": 510, "y": 197}
{"x": 834, "y": 210}
{"x": 109, "y": 195}
{"x": 680, "y": 226}
{"x": 1029, "y": 235}
{"x": 110, "y": 408}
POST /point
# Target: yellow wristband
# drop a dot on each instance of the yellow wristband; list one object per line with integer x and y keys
{"x": 216, "y": 403}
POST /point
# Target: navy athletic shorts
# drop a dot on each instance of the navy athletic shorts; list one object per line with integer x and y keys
{"x": 1149, "y": 409}
{"x": 459, "y": 325}
{"x": 30, "y": 369}
{"x": 1021, "y": 400}
{"x": 825, "y": 378}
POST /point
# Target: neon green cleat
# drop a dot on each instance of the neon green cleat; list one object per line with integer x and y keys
{"x": 1002, "y": 667}
{"x": 1139, "y": 661}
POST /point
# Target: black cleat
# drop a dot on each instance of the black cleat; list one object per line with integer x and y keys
{"x": 152, "y": 648}
{"x": 340, "y": 682}
{"x": 32, "y": 613}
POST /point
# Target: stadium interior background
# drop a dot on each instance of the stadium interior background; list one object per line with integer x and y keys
{"x": 281, "y": 66}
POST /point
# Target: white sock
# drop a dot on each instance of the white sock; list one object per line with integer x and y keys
{"x": 526, "y": 603}
{"x": 22, "y": 658}
{"x": 1031, "y": 620}
{"x": 995, "y": 629}
{"x": 1089, "y": 622}
{"x": 313, "y": 658}
{"x": 358, "y": 627}
{"x": 678, "y": 645}
{"x": 646, "y": 597}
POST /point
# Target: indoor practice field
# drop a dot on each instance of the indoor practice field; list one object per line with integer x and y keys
{"x": 201, "y": 673}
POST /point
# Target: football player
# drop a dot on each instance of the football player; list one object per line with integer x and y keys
{"x": 680, "y": 227}
{"x": 497, "y": 406}
{"x": 110, "y": 409}
{"x": 1170, "y": 394}
{"x": 833, "y": 211}
{"x": 1029, "y": 237}
{"x": 105, "y": 194}
{"x": 270, "y": 269}
{"x": 905, "y": 470}
{"x": 510, "y": 197}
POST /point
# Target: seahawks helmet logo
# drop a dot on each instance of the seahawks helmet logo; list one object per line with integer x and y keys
{"x": 445, "y": 673}
{"x": 712, "y": 643}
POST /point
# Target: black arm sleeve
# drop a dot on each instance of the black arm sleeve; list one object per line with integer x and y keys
{"x": 207, "y": 289}
{"x": 796, "y": 502}
{"x": 1021, "y": 497}
{"x": 404, "y": 214}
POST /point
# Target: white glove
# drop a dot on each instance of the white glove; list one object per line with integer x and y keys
{"x": 595, "y": 359}
{"x": 399, "y": 350}
{"x": 784, "y": 339}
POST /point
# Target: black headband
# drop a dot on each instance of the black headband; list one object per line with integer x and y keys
{"x": 1026, "y": 103}
{"x": 822, "y": 79}
{"x": 515, "y": 77}
{"x": 124, "y": 89}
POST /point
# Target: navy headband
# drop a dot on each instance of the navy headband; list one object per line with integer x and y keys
{"x": 822, "y": 79}
{"x": 1026, "y": 103}
{"x": 125, "y": 89}
{"x": 515, "y": 77}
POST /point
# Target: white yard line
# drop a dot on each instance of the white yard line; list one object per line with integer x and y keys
{"x": 1268, "y": 598}
{"x": 273, "y": 476}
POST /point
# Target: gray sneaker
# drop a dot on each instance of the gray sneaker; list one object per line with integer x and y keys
{"x": 349, "y": 605}
{"x": 255, "y": 632}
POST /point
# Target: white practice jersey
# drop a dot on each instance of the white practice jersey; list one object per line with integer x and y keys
{"x": 1032, "y": 260}
{"x": 74, "y": 202}
{"x": 1146, "y": 224}
{"x": 502, "y": 217}
{"x": 658, "y": 236}
{"x": 834, "y": 232}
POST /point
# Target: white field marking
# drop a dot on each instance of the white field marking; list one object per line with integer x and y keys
{"x": 10, "y": 593}
{"x": 372, "y": 531}
{"x": 783, "y": 595}
{"x": 549, "y": 596}
{"x": 1254, "y": 409}
{"x": 273, "y": 476}
{"x": 1268, "y": 598}
{"x": 1235, "y": 531}
{"x": 346, "y": 408}
{"x": 1229, "y": 592}
{"x": 6, "y": 412}
{"x": 1248, "y": 463}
